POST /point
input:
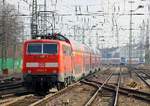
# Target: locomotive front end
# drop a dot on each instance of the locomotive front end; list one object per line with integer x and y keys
{"x": 40, "y": 64}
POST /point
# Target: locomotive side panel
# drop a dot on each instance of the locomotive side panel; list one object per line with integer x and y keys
{"x": 87, "y": 63}
{"x": 78, "y": 64}
{"x": 93, "y": 62}
{"x": 65, "y": 62}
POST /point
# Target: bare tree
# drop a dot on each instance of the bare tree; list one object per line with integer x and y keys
{"x": 11, "y": 27}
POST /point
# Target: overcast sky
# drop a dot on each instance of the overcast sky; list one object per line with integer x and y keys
{"x": 104, "y": 23}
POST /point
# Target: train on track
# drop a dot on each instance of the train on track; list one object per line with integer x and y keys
{"x": 56, "y": 61}
{"x": 121, "y": 61}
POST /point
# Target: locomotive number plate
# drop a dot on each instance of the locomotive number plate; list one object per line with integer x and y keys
{"x": 41, "y": 64}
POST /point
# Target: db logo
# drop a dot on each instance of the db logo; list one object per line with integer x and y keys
{"x": 42, "y": 56}
{"x": 41, "y": 64}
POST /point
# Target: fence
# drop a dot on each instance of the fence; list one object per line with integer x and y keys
{"x": 13, "y": 65}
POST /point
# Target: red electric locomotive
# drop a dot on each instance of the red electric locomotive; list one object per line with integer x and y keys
{"x": 56, "y": 61}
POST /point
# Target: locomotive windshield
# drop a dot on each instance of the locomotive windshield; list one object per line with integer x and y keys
{"x": 50, "y": 48}
{"x": 35, "y": 48}
{"x": 42, "y": 48}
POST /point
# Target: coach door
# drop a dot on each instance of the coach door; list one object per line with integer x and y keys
{"x": 67, "y": 66}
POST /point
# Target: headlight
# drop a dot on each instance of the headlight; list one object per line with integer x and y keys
{"x": 29, "y": 71}
{"x": 54, "y": 71}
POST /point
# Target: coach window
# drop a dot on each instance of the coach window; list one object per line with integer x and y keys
{"x": 69, "y": 51}
{"x": 50, "y": 48}
{"x": 35, "y": 48}
{"x": 66, "y": 50}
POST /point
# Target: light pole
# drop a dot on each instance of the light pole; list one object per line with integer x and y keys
{"x": 141, "y": 43}
{"x": 148, "y": 26}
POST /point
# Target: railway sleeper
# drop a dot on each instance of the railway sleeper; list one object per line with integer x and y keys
{"x": 131, "y": 93}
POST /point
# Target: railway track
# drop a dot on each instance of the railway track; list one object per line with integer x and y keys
{"x": 56, "y": 98}
{"x": 16, "y": 95}
{"x": 45, "y": 101}
{"x": 125, "y": 91}
{"x": 11, "y": 86}
{"x": 101, "y": 87}
{"x": 33, "y": 100}
{"x": 144, "y": 77}
{"x": 115, "y": 100}
{"x": 97, "y": 91}
{"x": 10, "y": 89}
{"x": 86, "y": 92}
{"x": 114, "y": 91}
{"x": 117, "y": 90}
{"x": 25, "y": 100}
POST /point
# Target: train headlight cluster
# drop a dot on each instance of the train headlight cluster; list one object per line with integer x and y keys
{"x": 29, "y": 71}
{"x": 54, "y": 71}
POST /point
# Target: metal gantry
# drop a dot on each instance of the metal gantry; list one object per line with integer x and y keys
{"x": 34, "y": 25}
{"x": 43, "y": 19}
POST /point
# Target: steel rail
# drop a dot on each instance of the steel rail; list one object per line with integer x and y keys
{"x": 11, "y": 86}
{"x": 142, "y": 79}
{"x": 145, "y": 74}
{"x": 117, "y": 90}
{"x": 122, "y": 88}
{"x": 48, "y": 98}
{"x": 21, "y": 98}
{"x": 15, "y": 94}
{"x": 98, "y": 90}
{"x": 125, "y": 91}
{"x": 9, "y": 82}
{"x": 142, "y": 71}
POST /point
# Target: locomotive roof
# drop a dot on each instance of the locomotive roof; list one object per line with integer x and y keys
{"x": 79, "y": 46}
{"x": 60, "y": 38}
{"x": 40, "y": 40}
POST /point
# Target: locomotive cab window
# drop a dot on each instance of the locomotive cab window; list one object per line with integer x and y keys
{"x": 66, "y": 50}
{"x": 34, "y": 48}
{"x": 49, "y": 48}
{"x": 37, "y": 48}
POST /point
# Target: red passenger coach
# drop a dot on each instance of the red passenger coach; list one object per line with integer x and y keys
{"x": 56, "y": 61}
